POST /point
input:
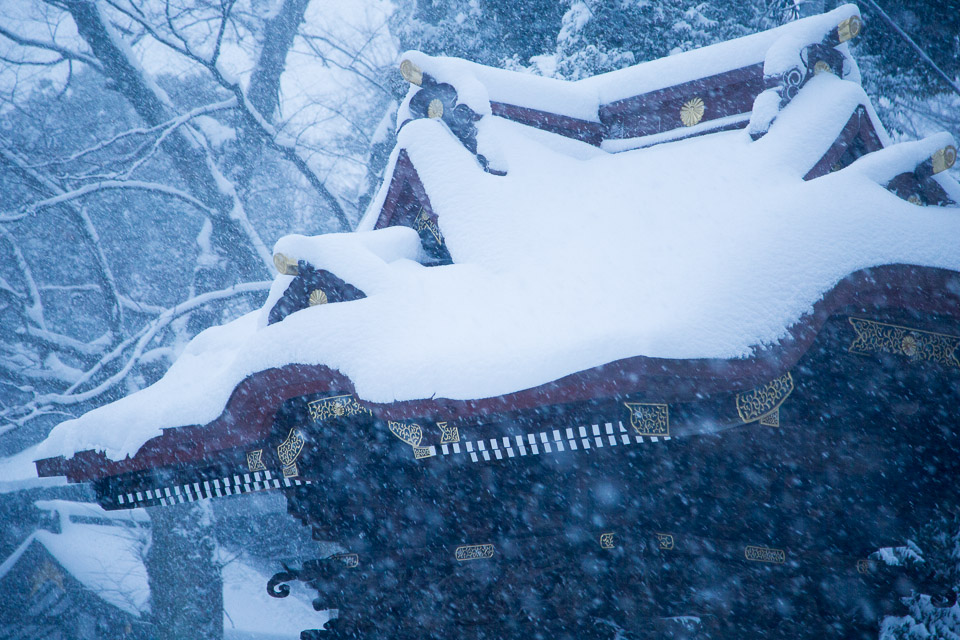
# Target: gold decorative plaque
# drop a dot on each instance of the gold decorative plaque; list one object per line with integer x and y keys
{"x": 412, "y": 434}
{"x": 424, "y": 222}
{"x": 665, "y": 541}
{"x": 336, "y": 407}
{"x": 255, "y": 461}
{"x": 288, "y": 451}
{"x": 449, "y": 435}
{"x": 317, "y": 297}
{"x": 880, "y": 337}
{"x": 691, "y": 112}
{"x": 349, "y": 560}
{"x": 422, "y": 452}
{"x": 608, "y": 540}
{"x": 771, "y": 419}
{"x": 759, "y": 403}
{"x": 821, "y": 67}
{"x": 474, "y": 552}
{"x": 863, "y": 566}
{"x": 47, "y": 573}
{"x": 649, "y": 419}
{"x": 765, "y": 554}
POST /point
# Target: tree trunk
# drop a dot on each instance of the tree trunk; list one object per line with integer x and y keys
{"x": 239, "y": 262}
{"x": 186, "y": 588}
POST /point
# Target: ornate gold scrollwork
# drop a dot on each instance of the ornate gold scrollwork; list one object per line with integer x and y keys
{"x": 692, "y": 112}
{"x": 412, "y": 434}
{"x": 771, "y": 419}
{"x": 336, "y": 407}
{"x": 863, "y": 566}
{"x": 255, "y": 461}
{"x": 424, "y": 222}
{"x": 288, "y": 451}
{"x": 879, "y": 337}
{"x": 665, "y": 541}
{"x": 449, "y": 435}
{"x": 763, "y": 402}
{"x": 474, "y": 552}
{"x": 649, "y": 419}
{"x": 608, "y": 540}
{"x": 349, "y": 560}
{"x": 765, "y": 554}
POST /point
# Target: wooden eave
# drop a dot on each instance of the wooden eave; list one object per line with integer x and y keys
{"x": 249, "y": 414}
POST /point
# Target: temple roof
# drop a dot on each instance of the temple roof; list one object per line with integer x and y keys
{"x": 567, "y": 253}
{"x": 103, "y": 551}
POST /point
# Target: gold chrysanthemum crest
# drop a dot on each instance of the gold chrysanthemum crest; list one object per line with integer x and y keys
{"x": 692, "y": 112}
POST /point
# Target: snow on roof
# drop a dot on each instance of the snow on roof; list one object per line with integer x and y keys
{"x": 707, "y": 247}
{"x": 106, "y": 557}
{"x": 581, "y": 99}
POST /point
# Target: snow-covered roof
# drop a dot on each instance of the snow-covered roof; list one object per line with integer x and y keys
{"x": 707, "y": 247}
{"x": 104, "y": 551}
{"x": 479, "y": 84}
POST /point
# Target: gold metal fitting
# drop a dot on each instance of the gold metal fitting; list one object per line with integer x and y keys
{"x": 285, "y": 265}
{"x": 435, "y": 109}
{"x": 821, "y": 67}
{"x": 317, "y": 296}
{"x": 849, "y": 28}
{"x": 411, "y": 72}
{"x": 691, "y": 112}
{"x": 944, "y": 158}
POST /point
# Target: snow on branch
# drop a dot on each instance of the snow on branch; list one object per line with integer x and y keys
{"x": 163, "y": 128}
{"x": 134, "y": 349}
{"x": 107, "y": 185}
{"x": 63, "y": 52}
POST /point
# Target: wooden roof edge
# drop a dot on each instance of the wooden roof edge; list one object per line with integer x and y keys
{"x": 250, "y": 410}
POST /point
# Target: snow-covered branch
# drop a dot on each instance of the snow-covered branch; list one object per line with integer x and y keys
{"x": 106, "y": 185}
{"x": 131, "y": 351}
{"x": 63, "y": 52}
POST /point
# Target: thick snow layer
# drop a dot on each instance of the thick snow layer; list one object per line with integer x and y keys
{"x": 701, "y": 248}
{"x": 104, "y": 551}
{"x": 581, "y": 99}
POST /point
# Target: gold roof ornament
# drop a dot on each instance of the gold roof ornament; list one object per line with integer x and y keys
{"x": 285, "y": 265}
{"x": 317, "y": 297}
{"x": 691, "y": 112}
{"x": 944, "y": 158}
{"x": 435, "y": 109}
{"x": 849, "y": 28}
{"x": 411, "y": 72}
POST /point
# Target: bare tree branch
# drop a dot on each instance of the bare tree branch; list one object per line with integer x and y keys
{"x": 64, "y": 53}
